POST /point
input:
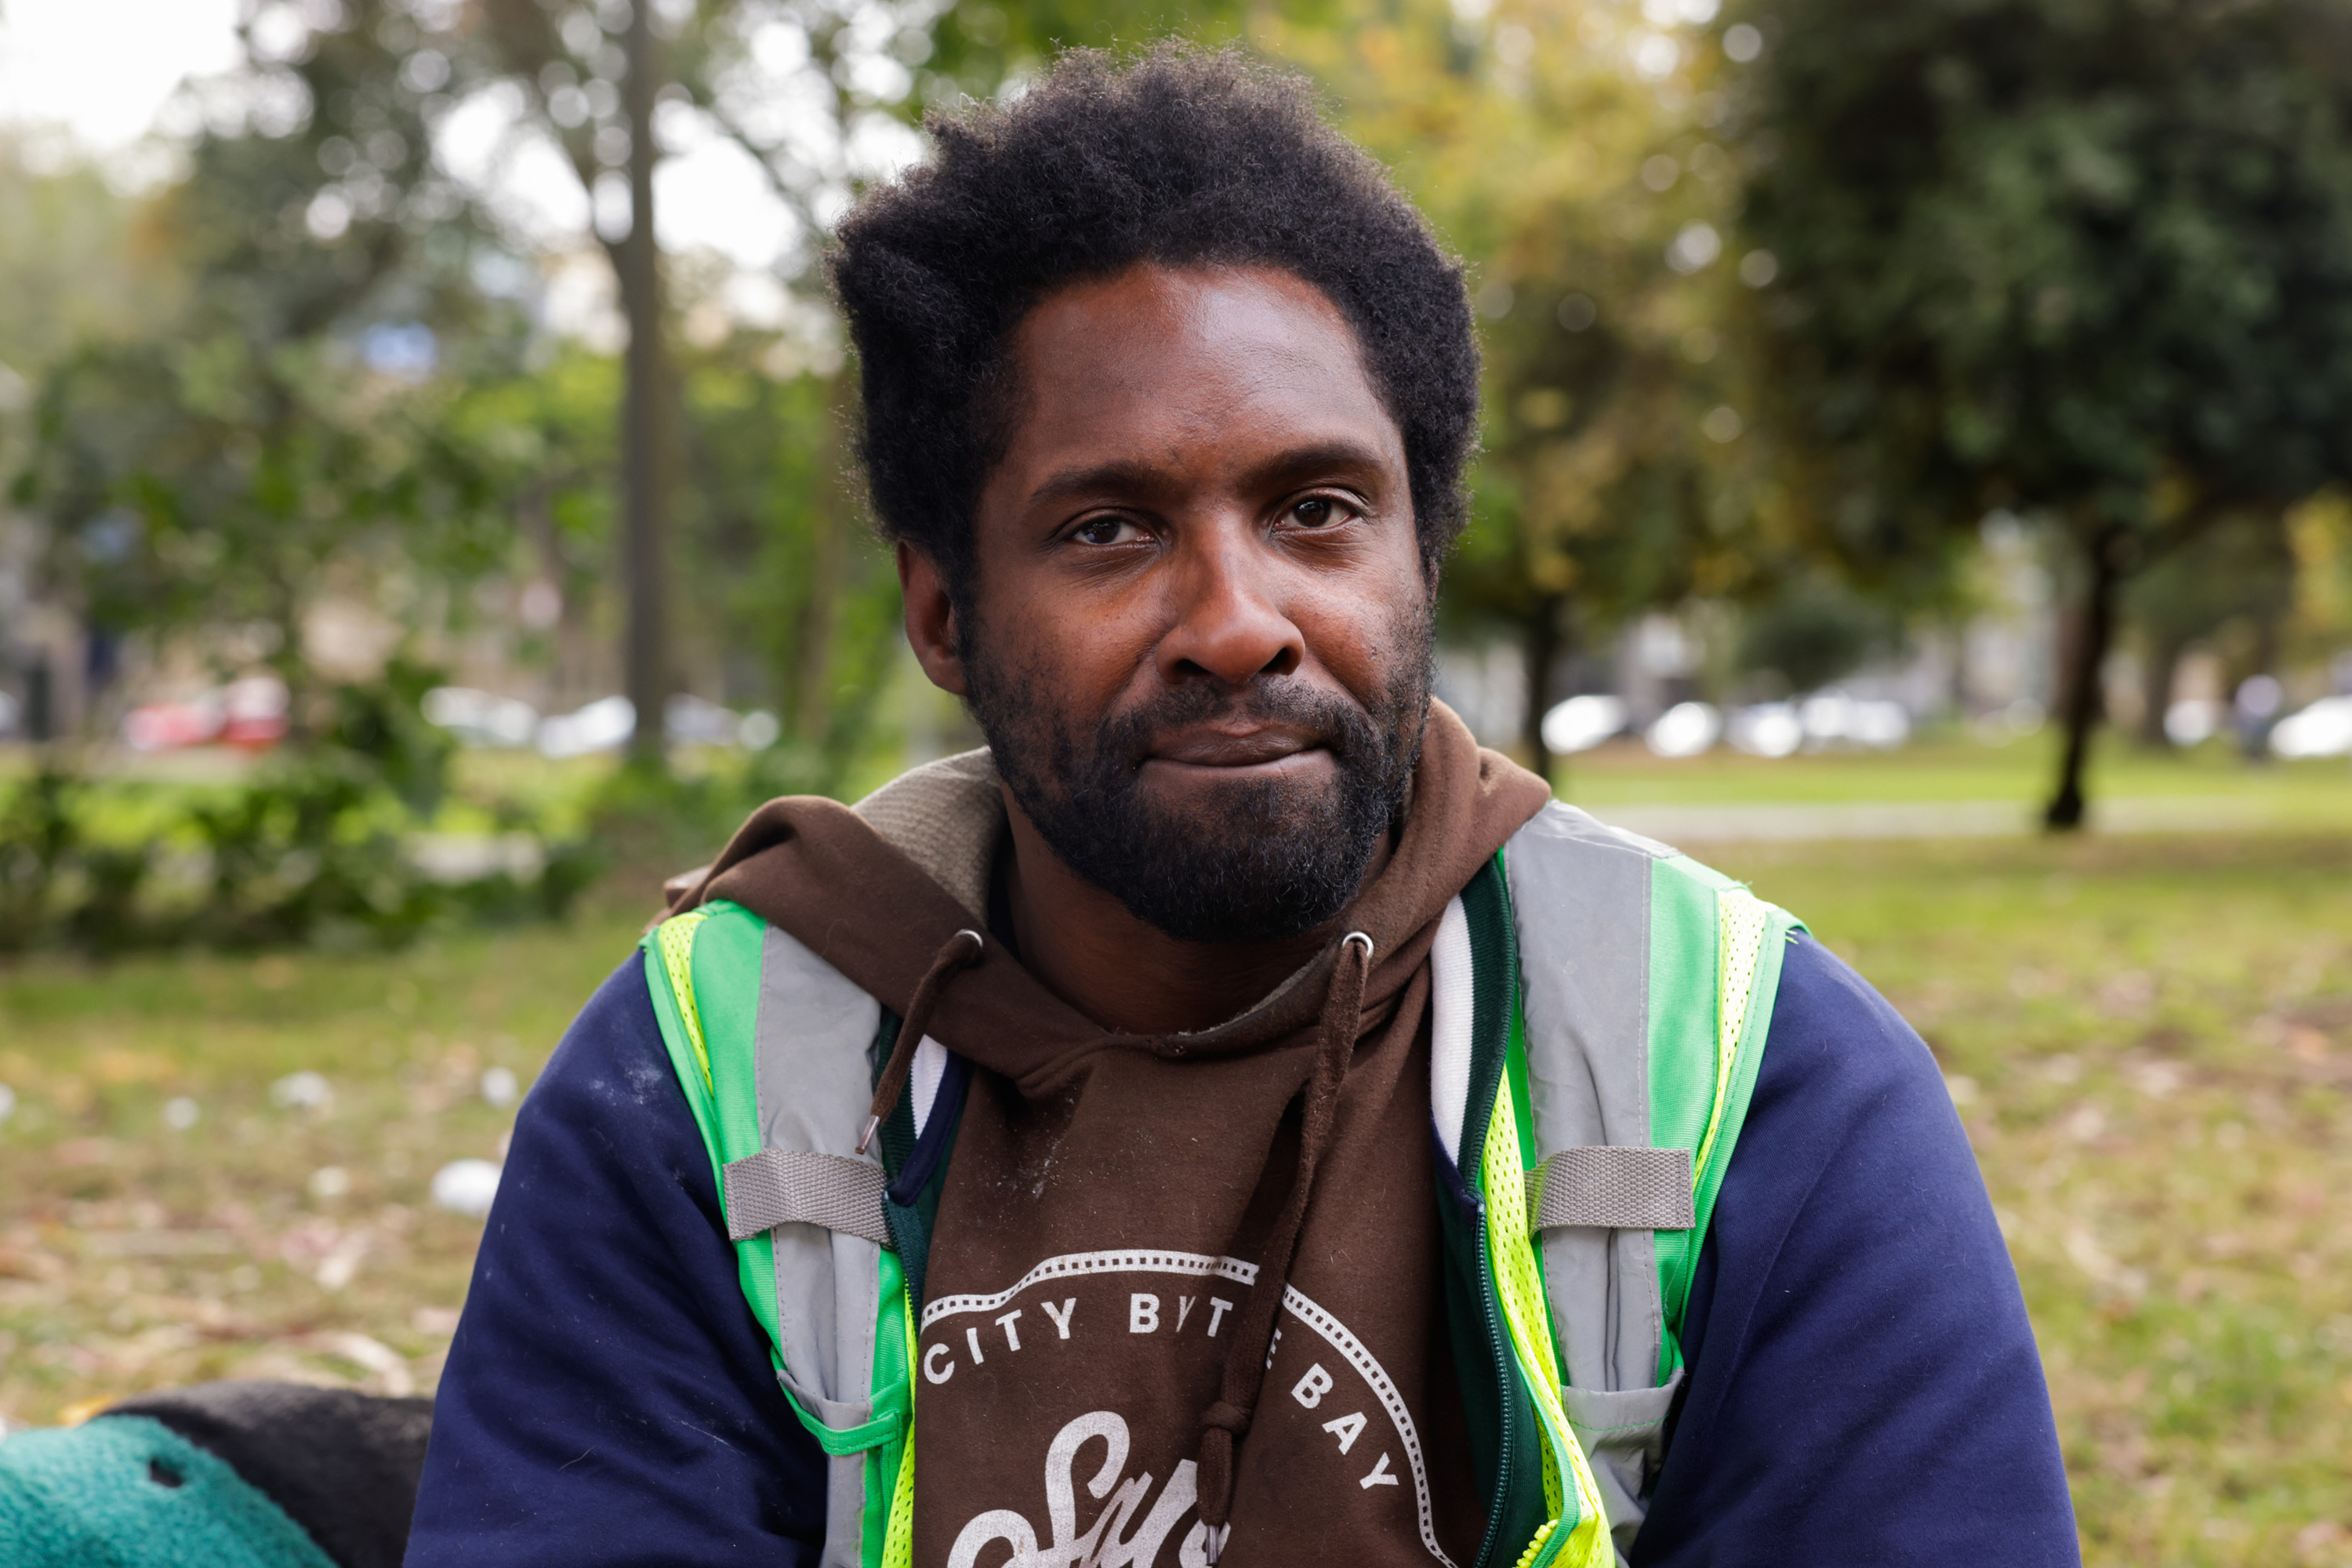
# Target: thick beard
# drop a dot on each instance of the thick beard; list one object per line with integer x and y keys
{"x": 1271, "y": 859}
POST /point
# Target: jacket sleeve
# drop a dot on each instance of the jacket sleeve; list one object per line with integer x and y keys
{"x": 1863, "y": 1384}
{"x": 609, "y": 1398}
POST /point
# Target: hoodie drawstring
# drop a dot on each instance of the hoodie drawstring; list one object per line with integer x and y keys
{"x": 1225, "y": 1422}
{"x": 955, "y": 955}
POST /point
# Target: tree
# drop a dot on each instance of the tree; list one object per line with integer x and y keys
{"x": 284, "y": 425}
{"x": 817, "y": 93}
{"x": 1578, "y": 153}
{"x": 2091, "y": 261}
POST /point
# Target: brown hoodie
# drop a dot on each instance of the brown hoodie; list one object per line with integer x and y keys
{"x": 1111, "y": 1198}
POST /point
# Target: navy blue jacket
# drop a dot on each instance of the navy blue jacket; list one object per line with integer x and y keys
{"x": 1863, "y": 1386}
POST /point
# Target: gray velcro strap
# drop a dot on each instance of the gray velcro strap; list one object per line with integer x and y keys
{"x": 779, "y": 1187}
{"x": 1619, "y": 1186}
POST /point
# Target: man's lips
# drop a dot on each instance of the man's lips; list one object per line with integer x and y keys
{"x": 1264, "y": 748}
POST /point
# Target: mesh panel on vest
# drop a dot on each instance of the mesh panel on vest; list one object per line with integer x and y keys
{"x": 1741, "y": 918}
{"x": 676, "y": 940}
{"x": 1520, "y": 1288}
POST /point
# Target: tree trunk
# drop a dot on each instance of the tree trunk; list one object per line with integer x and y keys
{"x": 2157, "y": 682}
{"x": 2081, "y": 705}
{"x": 812, "y": 678}
{"x": 1540, "y": 645}
{"x": 645, "y": 524}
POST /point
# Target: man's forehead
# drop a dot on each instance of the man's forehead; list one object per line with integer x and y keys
{"x": 1145, "y": 364}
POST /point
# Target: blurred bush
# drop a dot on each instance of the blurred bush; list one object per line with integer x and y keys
{"x": 319, "y": 845}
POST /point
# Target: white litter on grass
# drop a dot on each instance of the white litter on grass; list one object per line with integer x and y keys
{"x": 342, "y": 1260}
{"x": 302, "y": 1091}
{"x": 329, "y": 1181}
{"x": 439, "y": 1322}
{"x": 500, "y": 1087}
{"x": 388, "y": 1365}
{"x": 466, "y": 1187}
{"x": 180, "y": 1113}
{"x": 7, "y": 1102}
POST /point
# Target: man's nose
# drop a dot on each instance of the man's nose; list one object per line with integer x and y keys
{"x": 1228, "y": 624}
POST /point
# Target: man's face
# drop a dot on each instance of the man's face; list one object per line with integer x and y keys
{"x": 1199, "y": 641}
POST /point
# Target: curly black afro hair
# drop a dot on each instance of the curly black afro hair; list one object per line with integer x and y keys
{"x": 1186, "y": 157}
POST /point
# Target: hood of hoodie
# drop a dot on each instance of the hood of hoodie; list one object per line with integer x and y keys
{"x": 1112, "y": 1197}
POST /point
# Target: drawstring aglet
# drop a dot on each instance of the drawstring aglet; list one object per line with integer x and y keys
{"x": 873, "y": 1125}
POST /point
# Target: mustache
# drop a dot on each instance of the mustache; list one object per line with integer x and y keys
{"x": 1327, "y": 717}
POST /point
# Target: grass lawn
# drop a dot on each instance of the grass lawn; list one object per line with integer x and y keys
{"x": 2311, "y": 794}
{"x": 2150, "y": 1041}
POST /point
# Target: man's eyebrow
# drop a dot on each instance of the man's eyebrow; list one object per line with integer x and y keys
{"x": 1322, "y": 457}
{"x": 1090, "y": 478}
{"x": 1119, "y": 475}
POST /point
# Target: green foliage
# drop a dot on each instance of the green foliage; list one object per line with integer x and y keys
{"x": 206, "y": 480}
{"x": 2091, "y": 261}
{"x": 316, "y": 845}
{"x": 2058, "y": 255}
{"x": 282, "y": 430}
{"x": 1812, "y": 633}
{"x": 72, "y": 264}
{"x": 799, "y": 596}
{"x": 1593, "y": 201}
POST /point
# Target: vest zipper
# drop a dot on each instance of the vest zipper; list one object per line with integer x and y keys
{"x": 1498, "y": 1341}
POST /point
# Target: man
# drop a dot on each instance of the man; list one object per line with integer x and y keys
{"x": 1214, "y": 1020}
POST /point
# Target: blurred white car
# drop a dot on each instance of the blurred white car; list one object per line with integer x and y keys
{"x": 606, "y": 724}
{"x": 2322, "y": 729}
{"x": 1831, "y": 717}
{"x": 481, "y": 718}
{"x": 1685, "y": 730}
{"x": 1767, "y": 728}
{"x": 1581, "y": 723}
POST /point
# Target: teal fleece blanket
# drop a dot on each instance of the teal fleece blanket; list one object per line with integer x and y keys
{"x": 123, "y": 1491}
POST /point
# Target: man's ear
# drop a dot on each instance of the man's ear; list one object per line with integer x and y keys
{"x": 930, "y": 620}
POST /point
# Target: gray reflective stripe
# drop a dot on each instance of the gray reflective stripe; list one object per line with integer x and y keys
{"x": 845, "y": 1512}
{"x": 845, "y": 1476}
{"x": 1624, "y": 1435}
{"x": 781, "y": 1186}
{"x": 1580, "y": 900}
{"x": 1612, "y": 1186}
{"x": 815, "y": 1084}
{"x": 810, "y": 1065}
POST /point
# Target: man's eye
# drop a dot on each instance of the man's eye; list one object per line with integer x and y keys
{"x": 1318, "y": 511}
{"x": 1105, "y": 531}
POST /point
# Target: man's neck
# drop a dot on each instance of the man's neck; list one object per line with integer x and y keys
{"x": 1123, "y": 972}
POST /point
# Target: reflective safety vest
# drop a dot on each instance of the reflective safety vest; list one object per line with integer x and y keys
{"x": 1599, "y": 1008}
